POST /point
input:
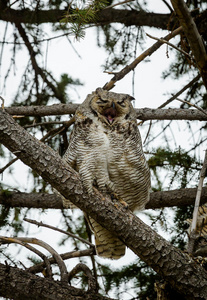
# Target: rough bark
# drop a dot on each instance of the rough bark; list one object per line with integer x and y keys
{"x": 19, "y": 285}
{"x": 142, "y": 113}
{"x": 177, "y": 268}
{"x": 179, "y": 198}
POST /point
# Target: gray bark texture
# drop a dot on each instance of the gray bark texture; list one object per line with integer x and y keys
{"x": 21, "y": 285}
{"x": 161, "y": 199}
{"x": 141, "y": 113}
{"x": 178, "y": 268}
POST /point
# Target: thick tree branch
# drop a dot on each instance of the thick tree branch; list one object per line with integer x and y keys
{"x": 142, "y": 113}
{"x": 179, "y": 198}
{"x": 106, "y": 16}
{"x": 18, "y": 284}
{"x": 166, "y": 260}
{"x": 193, "y": 36}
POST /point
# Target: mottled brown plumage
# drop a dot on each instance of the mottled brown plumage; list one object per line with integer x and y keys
{"x": 105, "y": 148}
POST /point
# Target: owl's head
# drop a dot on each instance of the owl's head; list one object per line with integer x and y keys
{"x": 110, "y": 107}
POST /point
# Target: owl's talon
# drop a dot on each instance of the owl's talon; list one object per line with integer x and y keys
{"x": 126, "y": 206}
{"x": 114, "y": 196}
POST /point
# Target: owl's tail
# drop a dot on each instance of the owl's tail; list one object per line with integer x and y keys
{"x": 107, "y": 245}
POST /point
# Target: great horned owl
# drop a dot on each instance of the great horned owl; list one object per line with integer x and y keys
{"x": 106, "y": 149}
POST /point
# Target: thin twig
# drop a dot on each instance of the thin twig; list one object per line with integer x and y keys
{"x": 171, "y": 45}
{"x": 170, "y": 100}
{"x": 60, "y": 230}
{"x": 45, "y": 123}
{"x": 8, "y": 165}
{"x": 123, "y": 2}
{"x": 181, "y": 91}
{"x": 194, "y": 105}
{"x": 118, "y": 76}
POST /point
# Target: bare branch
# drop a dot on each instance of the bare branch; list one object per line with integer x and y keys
{"x": 181, "y": 91}
{"x": 198, "y": 195}
{"x": 120, "y": 3}
{"x": 81, "y": 253}
{"x": 142, "y": 114}
{"x": 9, "y": 240}
{"x": 8, "y": 165}
{"x": 118, "y": 76}
{"x": 194, "y": 105}
{"x": 41, "y": 110}
{"x": 92, "y": 284}
{"x": 193, "y": 233}
{"x": 171, "y": 45}
{"x": 57, "y": 257}
{"x": 40, "y": 224}
{"x": 161, "y": 199}
{"x": 193, "y": 36}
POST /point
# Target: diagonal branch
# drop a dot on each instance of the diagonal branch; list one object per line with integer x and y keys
{"x": 118, "y": 76}
{"x": 168, "y": 261}
{"x": 37, "y": 69}
{"x": 193, "y": 36}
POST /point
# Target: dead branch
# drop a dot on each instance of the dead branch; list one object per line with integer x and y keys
{"x": 40, "y": 224}
{"x": 80, "y": 253}
{"x": 118, "y": 76}
{"x": 116, "y": 4}
{"x": 181, "y": 91}
{"x": 171, "y": 45}
{"x": 193, "y": 105}
{"x": 37, "y": 69}
{"x": 193, "y": 234}
{"x": 193, "y": 36}
{"x": 92, "y": 283}
{"x": 198, "y": 195}
{"x": 9, "y": 240}
{"x": 57, "y": 257}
